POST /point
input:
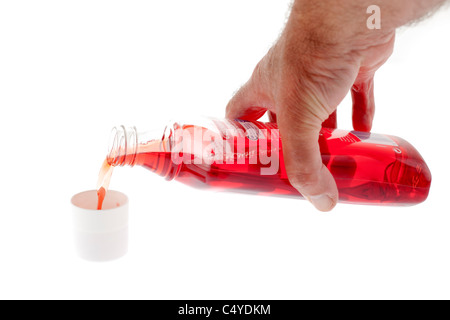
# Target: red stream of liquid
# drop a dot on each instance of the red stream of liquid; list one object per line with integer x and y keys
{"x": 104, "y": 179}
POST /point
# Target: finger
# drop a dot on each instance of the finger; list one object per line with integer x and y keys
{"x": 303, "y": 161}
{"x": 331, "y": 122}
{"x": 363, "y": 104}
{"x": 245, "y": 104}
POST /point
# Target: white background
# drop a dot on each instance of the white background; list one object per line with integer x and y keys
{"x": 71, "y": 70}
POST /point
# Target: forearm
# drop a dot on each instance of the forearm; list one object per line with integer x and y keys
{"x": 335, "y": 19}
{"x": 401, "y": 12}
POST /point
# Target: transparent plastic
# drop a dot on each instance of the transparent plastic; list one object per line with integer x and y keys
{"x": 247, "y": 156}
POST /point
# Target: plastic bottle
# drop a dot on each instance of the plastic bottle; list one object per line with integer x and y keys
{"x": 243, "y": 156}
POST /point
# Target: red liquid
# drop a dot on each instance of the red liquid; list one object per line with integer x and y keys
{"x": 104, "y": 178}
{"x": 368, "y": 169}
{"x": 101, "y": 194}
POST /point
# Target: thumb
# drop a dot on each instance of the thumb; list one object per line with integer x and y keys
{"x": 300, "y": 130}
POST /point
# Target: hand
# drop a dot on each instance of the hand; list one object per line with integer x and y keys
{"x": 302, "y": 80}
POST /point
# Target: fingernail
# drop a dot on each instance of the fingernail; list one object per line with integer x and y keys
{"x": 322, "y": 202}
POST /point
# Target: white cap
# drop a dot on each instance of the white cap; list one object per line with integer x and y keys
{"x": 100, "y": 235}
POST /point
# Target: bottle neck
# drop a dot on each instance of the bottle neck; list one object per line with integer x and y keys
{"x": 122, "y": 149}
{"x": 127, "y": 144}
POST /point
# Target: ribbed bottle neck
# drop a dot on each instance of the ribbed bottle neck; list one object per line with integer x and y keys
{"x": 128, "y": 147}
{"x": 123, "y": 146}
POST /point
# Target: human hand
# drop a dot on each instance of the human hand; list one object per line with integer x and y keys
{"x": 302, "y": 80}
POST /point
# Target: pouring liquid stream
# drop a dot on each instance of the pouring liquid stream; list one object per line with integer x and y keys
{"x": 104, "y": 179}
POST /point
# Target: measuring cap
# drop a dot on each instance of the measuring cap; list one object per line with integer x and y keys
{"x": 100, "y": 235}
